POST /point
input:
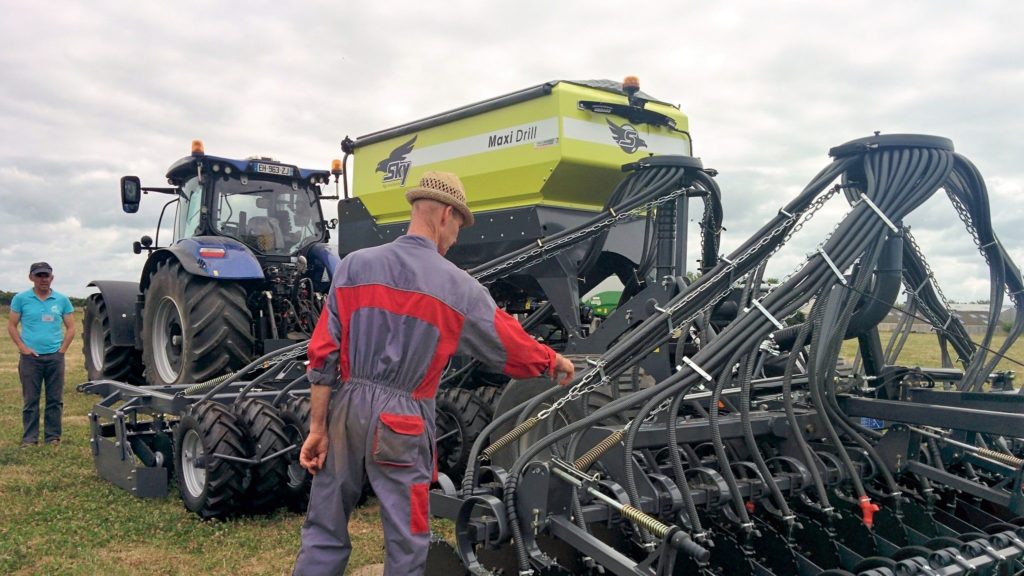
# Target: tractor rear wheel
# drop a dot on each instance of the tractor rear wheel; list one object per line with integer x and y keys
{"x": 103, "y": 360}
{"x": 209, "y": 486}
{"x": 264, "y": 436}
{"x": 193, "y": 328}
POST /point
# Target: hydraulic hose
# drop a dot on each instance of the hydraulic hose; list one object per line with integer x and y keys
{"x": 746, "y": 383}
{"x": 787, "y": 400}
{"x": 677, "y": 467}
{"x": 880, "y": 298}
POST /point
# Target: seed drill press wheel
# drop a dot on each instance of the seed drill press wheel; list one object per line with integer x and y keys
{"x": 210, "y": 486}
{"x": 460, "y": 418}
{"x": 264, "y": 437}
{"x": 295, "y": 414}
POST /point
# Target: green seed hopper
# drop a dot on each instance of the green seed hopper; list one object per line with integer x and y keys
{"x": 533, "y": 161}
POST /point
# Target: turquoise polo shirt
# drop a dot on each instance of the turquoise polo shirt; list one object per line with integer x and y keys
{"x": 42, "y": 321}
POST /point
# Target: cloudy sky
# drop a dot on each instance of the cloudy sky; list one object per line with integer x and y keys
{"x": 91, "y": 91}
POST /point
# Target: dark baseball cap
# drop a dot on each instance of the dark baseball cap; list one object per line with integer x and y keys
{"x": 39, "y": 267}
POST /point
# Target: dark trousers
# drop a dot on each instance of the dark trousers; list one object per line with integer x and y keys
{"x": 35, "y": 372}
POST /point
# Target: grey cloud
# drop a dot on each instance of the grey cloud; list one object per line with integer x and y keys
{"x": 95, "y": 91}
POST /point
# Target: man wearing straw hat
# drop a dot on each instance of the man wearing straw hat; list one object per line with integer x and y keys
{"x": 396, "y": 314}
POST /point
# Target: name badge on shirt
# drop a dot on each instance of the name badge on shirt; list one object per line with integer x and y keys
{"x": 47, "y": 317}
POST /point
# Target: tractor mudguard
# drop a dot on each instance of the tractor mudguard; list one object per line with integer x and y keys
{"x": 214, "y": 257}
{"x": 120, "y": 298}
{"x": 322, "y": 263}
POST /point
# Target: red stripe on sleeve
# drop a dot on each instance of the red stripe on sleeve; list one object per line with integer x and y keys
{"x": 524, "y": 356}
{"x": 322, "y": 343}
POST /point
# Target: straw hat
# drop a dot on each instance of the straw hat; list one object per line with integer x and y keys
{"x": 444, "y": 187}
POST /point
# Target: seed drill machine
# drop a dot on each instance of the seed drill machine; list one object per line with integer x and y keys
{"x": 712, "y": 427}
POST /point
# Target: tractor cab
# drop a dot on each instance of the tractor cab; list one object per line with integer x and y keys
{"x": 249, "y": 247}
{"x": 268, "y": 216}
{"x": 270, "y": 207}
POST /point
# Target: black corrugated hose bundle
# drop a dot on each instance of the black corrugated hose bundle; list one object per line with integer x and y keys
{"x": 888, "y": 179}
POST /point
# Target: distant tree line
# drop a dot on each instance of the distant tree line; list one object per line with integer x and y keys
{"x": 5, "y": 299}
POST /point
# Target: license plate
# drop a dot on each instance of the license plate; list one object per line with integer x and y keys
{"x": 275, "y": 169}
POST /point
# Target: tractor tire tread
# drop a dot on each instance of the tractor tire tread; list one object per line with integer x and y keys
{"x": 264, "y": 436}
{"x": 220, "y": 434}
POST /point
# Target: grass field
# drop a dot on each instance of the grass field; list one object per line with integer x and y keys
{"x": 58, "y": 517}
{"x": 923, "y": 350}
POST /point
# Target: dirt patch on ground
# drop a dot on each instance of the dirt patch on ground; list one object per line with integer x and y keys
{"x": 16, "y": 474}
{"x": 74, "y": 419}
{"x": 140, "y": 557}
{"x": 371, "y": 570}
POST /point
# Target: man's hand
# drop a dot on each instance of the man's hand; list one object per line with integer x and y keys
{"x": 314, "y": 452}
{"x": 564, "y": 370}
{"x": 27, "y": 351}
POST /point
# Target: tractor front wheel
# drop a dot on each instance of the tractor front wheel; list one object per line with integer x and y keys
{"x": 194, "y": 328}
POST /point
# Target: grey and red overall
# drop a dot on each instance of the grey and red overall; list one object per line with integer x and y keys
{"x": 395, "y": 316}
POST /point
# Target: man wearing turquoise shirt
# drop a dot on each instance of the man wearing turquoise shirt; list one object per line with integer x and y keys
{"x": 47, "y": 328}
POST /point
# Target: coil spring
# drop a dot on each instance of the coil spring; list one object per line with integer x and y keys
{"x": 1001, "y": 457}
{"x": 205, "y": 386}
{"x": 509, "y": 438}
{"x": 583, "y": 463}
{"x": 642, "y": 519}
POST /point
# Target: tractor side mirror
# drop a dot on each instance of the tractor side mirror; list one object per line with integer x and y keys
{"x": 131, "y": 194}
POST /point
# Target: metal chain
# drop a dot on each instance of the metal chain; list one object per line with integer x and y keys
{"x": 968, "y": 221}
{"x": 965, "y": 216}
{"x": 811, "y": 210}
{"x": 546, "y": 251}
{"x": 579, "y": 389}
{"x": 819, "y": 248}
{"x": 927, "y": 268}
{"x": 289, "y": 355}
{"x": 923, "y": 308}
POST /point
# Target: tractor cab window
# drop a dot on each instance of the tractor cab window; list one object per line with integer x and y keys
{"x": 268, "y": 216}
{"x": 189, "y": 208}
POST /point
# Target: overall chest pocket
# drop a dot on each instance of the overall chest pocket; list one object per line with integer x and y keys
{"x": 398, "y": 439}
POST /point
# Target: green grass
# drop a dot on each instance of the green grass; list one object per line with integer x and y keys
{"x": 58, "y": 517}
{"x": 923, "y": 350}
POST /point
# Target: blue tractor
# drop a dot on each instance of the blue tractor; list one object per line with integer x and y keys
{"x": 244, "y": 274}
